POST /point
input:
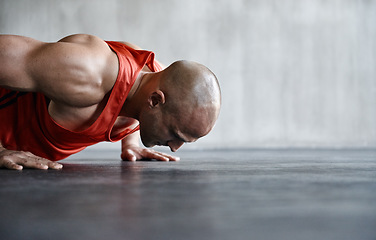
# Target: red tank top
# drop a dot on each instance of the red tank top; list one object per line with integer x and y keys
{"x": 26, "y": 125}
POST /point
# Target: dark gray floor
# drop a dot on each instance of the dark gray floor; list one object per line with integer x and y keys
{"x": 253, "y": 194}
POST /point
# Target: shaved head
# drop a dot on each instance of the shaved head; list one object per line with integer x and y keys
{"x": 180, "y": 104}
{"x": 192, "y": 94}
{"x": 198, "y": 84}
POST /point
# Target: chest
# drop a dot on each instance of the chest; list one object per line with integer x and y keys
{"x": 78, "y": 120}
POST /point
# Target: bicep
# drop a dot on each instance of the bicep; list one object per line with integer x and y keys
{"x": 31, "y": 65}
{"x": 14, "y": 53}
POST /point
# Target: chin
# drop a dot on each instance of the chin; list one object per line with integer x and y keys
{"x": 147, "y": 143}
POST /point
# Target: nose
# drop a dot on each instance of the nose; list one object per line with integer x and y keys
{"x": 175, "y": 145}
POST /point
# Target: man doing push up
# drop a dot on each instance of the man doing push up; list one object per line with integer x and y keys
{"x": 58, "y": 98}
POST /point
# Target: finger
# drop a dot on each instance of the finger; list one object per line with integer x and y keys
{"x": 129, "y": 155}
{"x": 168, "y": 156}
{"x": 151, "y": 154}
{"x": 54, "y": 165}
{"x": 31, "y": 161}
{"x": 11, "y": 165}
{"x": 172, "y": 158}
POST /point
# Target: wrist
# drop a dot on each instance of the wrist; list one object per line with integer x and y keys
{"x": 129, "y": 146}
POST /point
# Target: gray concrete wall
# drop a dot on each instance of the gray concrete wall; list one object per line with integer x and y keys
{"x": 294, "y": 73}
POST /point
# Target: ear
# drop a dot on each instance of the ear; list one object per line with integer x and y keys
{"x": 156, "y": 98}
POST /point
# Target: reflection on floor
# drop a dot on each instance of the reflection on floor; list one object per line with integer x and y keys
{"x": 245, "y": 194}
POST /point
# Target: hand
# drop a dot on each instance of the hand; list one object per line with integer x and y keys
{"x": 18, "y": 159}
{"x": 133, "y": 153}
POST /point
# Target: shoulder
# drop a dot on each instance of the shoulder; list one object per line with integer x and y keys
{"x": 87, "y": 44}
{"x": 83, "y": 39}
{"x": 100, "y": 58}
{"x": 78, "y": 70}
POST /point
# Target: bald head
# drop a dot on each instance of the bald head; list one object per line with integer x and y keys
{"x": 191, "y": 83}
{"x": 192, "y": 93}
{"x": 179, "y": 104}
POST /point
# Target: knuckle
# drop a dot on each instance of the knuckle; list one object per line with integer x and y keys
{"x": 10, "y": 165}
{"x": 10, "y": 159}
{"x": 27, "y": 153}
{"x": 6, "y": 161}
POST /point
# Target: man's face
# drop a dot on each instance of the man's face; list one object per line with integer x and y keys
{"x": 187, "y": 124}
{"x": 173, "y": 130}
{"x": 159, "y": 129}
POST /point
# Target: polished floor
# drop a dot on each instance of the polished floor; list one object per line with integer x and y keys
{"x": 245, "y": 194}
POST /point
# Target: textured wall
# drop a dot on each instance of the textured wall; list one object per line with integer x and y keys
{"x": 293, "y": 72}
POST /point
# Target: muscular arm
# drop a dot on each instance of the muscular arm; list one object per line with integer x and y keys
{"x": 73, "y": 71}
{"x": 14, "y": 52}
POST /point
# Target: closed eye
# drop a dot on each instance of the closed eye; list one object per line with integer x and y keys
{"x": 176, "y": 136}
{"x": 179, "y": 137}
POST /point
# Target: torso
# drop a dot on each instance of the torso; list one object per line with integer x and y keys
{"x": 77, "y": 75}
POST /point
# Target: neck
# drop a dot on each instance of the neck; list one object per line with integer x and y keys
{"x": 130, "y": 107}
